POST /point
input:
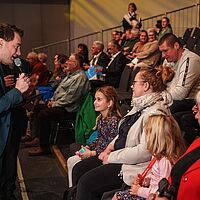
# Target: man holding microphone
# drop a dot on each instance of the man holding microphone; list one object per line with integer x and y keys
{"x": 10, "y": 43}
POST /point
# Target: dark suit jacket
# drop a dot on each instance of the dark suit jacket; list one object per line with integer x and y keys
{"x": 103, "y": 60}
{"x": 8, "y": 100}
{"x": 114, "y": 70}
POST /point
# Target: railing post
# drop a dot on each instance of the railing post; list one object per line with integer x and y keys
{"x": 198, "y": 13}
{"x": 102, "y": 36}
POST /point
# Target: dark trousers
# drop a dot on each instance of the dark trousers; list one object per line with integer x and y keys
{"x": 95, "y": 181}
{"x": 182, "y": 106}
{"x": 8, "y": 160}
{"x": 188, "y": 124}
{"x": 44, "y": 117}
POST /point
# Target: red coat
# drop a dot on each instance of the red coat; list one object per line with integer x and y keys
{"x": 189, "y": 188}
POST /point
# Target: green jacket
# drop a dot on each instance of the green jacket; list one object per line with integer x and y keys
{"x": 85, "y": 119}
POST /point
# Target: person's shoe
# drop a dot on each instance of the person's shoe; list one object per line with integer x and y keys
{"x": 39, "y": 151}
{"x": 34, "y": 143}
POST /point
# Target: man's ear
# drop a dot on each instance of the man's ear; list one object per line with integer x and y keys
{"x": 146, "y": 86}
{"x": 1, "y": 42}
{"x": 176, "y": 45}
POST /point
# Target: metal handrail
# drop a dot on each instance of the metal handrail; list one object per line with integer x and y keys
{"x": 94, "y": 33}
{"x": 50, "y": 44}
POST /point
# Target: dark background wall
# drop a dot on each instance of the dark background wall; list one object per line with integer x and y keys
{"x": 44, "y": 21}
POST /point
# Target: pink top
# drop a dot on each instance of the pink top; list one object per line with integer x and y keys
{"x": 161, "y": 169}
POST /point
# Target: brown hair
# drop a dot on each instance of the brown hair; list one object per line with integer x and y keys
{"x": 134, "y": 6}
{"x": 170, "y": 39}
{"x": 111, "y": 95}
{"x": 157, "y": 77}
{"x": 7, "y": 31}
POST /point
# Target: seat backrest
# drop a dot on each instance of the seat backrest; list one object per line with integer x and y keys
{"x": 196, "y": 33}
{"x": 85, "y": 118}
{"x": 186, "y": 35}
{"x": 125, "y": 78}
{"x": 197, "y": 47}
{"x": 190, "y": 43}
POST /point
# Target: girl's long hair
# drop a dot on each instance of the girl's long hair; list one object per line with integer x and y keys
{"x": 164, "y": 138}
{"x": 111, "y": 95}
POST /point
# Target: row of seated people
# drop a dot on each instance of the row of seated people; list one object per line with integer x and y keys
{"x": 147, "y": 87}
{"x": 182, "y": 92}
{"x": 140, "y": 85}
{"x": 130, "y": 152}
{"x": 147, "y": 132}
{"x": 177, "y": 53}
{"x": 148, "y": 91}
{"x": 63, "y": 105}
{"x": 113, "y": 68}
{"x": 183, "y": 86}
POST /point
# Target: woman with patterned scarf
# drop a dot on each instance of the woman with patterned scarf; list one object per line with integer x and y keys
{"x": 127, "y": 154}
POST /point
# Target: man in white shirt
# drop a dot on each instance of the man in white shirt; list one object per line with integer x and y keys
{"x": 186, "y": 65}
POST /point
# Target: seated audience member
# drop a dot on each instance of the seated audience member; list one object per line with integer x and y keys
{"x": 184, "y": 181}
{"x": 42, "y": 57}
{"x": 158, "y": 26}
{"x": 118, "y": 37}
{"x": 38, "y": 68}
{"x": 130, "y": 18}
{"x": 83, "y": 50}
{"x": 65, "y": 102}
{"x": 149, "y": 54}
{"x": 54, "y": 80}
{"x": 186, "y": 65}
{"x": 99, "y": 58}
{"x": 58, "y": 74}
{"x": 113, "y": 35}
{"x": 106, "y": 103}
{"x": 132, "y": 37}
{"x": 166, "y": 145}
{"x": 138, "y": 47}
{"x": 127, "y": 154}
{"x": 116, "y": 65}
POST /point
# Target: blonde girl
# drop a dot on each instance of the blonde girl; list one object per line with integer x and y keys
{"x": 166, "y": 144}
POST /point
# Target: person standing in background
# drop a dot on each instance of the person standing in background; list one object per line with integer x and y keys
{"x": 130, "y": 18}
{"x": 166, "y": 27}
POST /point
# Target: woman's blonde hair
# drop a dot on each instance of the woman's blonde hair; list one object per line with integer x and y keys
{"x": 164, "y": 138}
